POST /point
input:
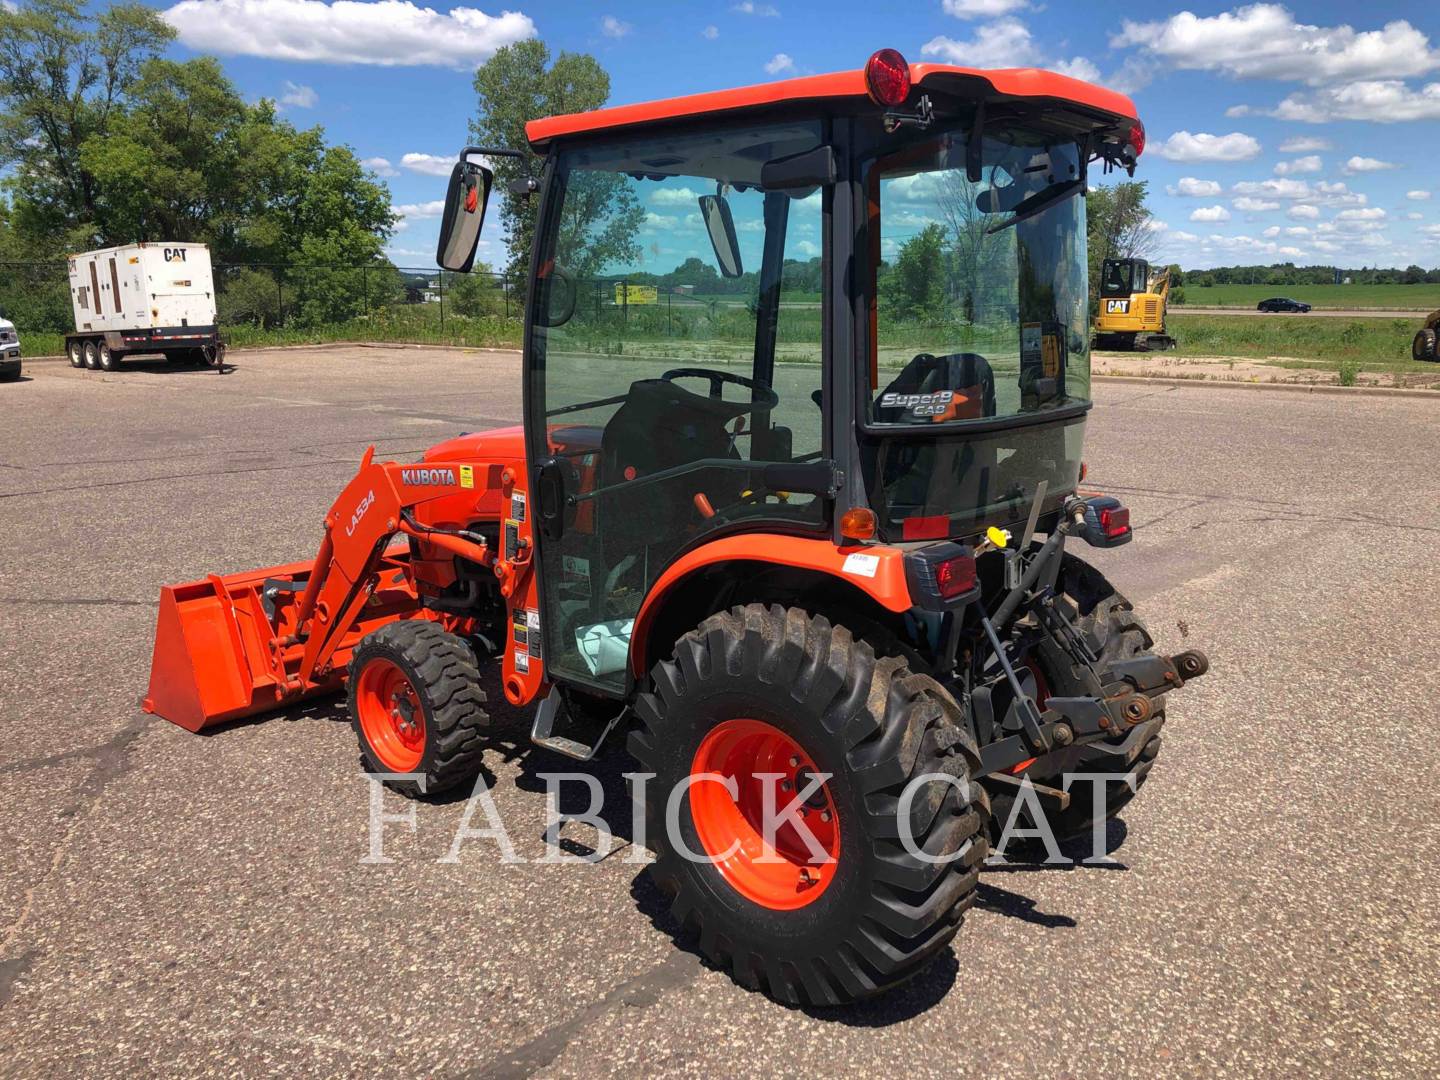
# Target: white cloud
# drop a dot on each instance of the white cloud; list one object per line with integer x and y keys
{"x": 667, "y": 196}
{"x": 1386, "y": 101}
{"x": 1414, "y": 215}
{"x": 982, "y": 9}
{"x": 1371, "y": 213}
{"x": 1417, "y": 196}
{"x": 386, "y": 32}
{"x": 1431, "y": 230}
{"x": 380, "y": 166}
{"x": 1252, "y": 205}
{"x": 664, "y": 221}
{"x": 1210, "y": 213}
{"x": 1309, "y": 164}
{"x": 1272, "y": 232}
{"x": 1304, "y": 144}
{"x": 1192, "y": 188}
{"x": 612, "y": 27}
{"x": 1359, "y": 164}
{"x": 778, "y": 63}
{"x": 1077, "y": 68}
{"x": 764, "y": 10}
{"x": 710, "y": 33}
{"x": 429, "y": 164}
{"x": 1183, "y": 146}
{"x": 1235, "y": 112}
{"x": 1001, "y": 44}
{"x": 1303, "y": 212}
{"x": 1263, "y": 41}
{"x": 298, "y": 97}
{"x": 431, "y": 209}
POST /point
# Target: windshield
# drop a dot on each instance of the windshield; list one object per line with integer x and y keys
{"x": 979, "y": 317}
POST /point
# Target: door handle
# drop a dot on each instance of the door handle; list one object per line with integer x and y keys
{"x": 550, "y": 484}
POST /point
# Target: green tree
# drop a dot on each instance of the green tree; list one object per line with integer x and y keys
{"x": 1118, "y": 226}
{"x": 519, "y": 84}
{"x": 64, "y": 77}
{"x": 917, "y": 281}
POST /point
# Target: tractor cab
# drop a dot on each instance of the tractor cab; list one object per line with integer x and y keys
{"x": 854, "y": 312}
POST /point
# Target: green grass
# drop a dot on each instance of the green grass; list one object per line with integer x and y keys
{"x": 1385, "y": 297}
{"x": 1339, "y": 345}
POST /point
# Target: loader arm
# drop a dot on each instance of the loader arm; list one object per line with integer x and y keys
{"x": 368, "y": 514}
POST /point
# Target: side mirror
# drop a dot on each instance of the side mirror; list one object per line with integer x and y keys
{"x": 721, "y": 226}
{"x": 464, "y": 215}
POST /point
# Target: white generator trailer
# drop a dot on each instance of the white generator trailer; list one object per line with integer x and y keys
{"x": 143, "y": 298}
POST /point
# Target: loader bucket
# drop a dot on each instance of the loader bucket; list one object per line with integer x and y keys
{"x": 216, "y": 657}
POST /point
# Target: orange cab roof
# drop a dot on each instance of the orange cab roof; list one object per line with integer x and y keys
{"x": 1007, "y": 82}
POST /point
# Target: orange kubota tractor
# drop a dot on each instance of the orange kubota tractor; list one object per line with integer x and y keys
{"x": 803, "y": 539}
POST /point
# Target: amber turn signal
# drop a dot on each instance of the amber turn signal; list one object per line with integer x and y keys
{"x": 857, "y": 523}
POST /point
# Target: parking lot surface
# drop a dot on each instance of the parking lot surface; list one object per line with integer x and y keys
{"x": 177, "y": 904}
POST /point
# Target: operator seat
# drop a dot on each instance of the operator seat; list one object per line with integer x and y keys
{"x": 920, "y": 476}
{"x": 660, "y": 426}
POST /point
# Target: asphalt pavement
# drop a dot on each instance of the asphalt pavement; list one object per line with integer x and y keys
{"x": 174, "y": 904}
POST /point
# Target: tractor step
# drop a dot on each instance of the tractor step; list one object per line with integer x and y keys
{"x": 558, "y": 727}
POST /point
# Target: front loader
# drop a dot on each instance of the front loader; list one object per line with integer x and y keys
{"x": 806, "y": 542}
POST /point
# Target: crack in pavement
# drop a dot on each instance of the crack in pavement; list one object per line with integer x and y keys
{"x": 112, "y": 760}
{"x": 642, "y": 991}
{"x": 77, "y": 601}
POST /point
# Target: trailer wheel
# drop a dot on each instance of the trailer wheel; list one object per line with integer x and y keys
{"x": 76, "y": 353}
{"x": 1110, "y": 620}
{"x": 1425, "y": 346}
{"x": 416, "y": 707}
{"x": 109, "y": 360}
{"x": 755, "y": 692}
{"x": 92, "y": 357}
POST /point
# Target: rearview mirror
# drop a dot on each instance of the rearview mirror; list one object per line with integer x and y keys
{"x": 721, "y": 226}
{"x": 464, "y": 215}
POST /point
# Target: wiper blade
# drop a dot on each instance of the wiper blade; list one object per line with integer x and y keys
{"x": 1039, "y": 203}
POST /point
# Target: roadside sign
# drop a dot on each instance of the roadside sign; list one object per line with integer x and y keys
{"x": 636, "y": 294}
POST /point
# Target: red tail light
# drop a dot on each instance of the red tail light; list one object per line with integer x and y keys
{"x": 955, "y": 577}
{"x": 1137, "y": 139}
{"x": 887, "y": 78}
{"x": 1115, "y": 521}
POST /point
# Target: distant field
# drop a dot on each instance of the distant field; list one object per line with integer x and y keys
{"x": 1392, "y": 297}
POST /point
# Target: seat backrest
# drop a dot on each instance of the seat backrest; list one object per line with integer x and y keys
{"x": 917, "y": 394}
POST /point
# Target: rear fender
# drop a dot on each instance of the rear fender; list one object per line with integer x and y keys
{"x": 872, "y": 574}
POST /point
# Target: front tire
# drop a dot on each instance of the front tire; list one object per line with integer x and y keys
{"x": 416, "y": 707}
{"x": 1425, "y": 347}
{"x": 808, "y": 699}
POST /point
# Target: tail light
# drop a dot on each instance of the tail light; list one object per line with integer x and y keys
{"x": 1107, "y": 522}
{"x": 941, "y": 576}
{"x": 887, "y": 78}
{"x": 1137, "y": 140}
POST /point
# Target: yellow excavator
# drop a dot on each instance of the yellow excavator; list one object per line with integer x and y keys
{"x": 1132, "y": 307}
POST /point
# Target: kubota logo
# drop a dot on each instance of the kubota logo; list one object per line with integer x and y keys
{"x": 359, "y": 513}
{"x": 431, "y": 477}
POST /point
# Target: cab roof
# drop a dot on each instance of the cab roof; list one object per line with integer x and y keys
{"x": 1017, "y": 84}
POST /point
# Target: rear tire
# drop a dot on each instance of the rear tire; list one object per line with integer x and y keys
{"x": 109, "y": 360}
{"x": 879, "y": 914}
{"x": 76, "y": 353}
{"x": 416, "y": 707}
{"x": 1425, "y": 347}
{"x": 92, "y": 356}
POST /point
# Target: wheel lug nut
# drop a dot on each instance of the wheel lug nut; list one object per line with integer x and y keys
{"x": 794, "y": 760}
{"x": 786, "y": 785}
{"x": 824, "y": 815}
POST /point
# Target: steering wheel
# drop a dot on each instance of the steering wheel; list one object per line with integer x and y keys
{"x": 764, "y": 398}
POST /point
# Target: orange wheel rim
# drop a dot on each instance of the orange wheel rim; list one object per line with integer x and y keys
{"x": 757, "y": 755}
{"x": 391, "y": 716}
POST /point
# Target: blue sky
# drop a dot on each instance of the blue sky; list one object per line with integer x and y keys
{"x": 1306, "y": 133}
